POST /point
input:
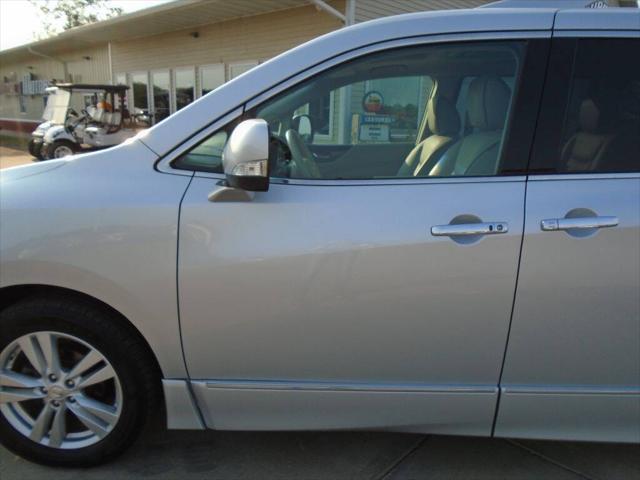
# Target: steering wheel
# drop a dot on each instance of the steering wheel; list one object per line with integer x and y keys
{"x": 303, "y": 164}
{"x": 72, "y": 120}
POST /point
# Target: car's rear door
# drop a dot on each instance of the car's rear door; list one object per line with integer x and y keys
{"x": 572, "y": 368}
{"x": 374, "y": 303}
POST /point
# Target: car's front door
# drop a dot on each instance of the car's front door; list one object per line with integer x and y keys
{"x": 572, "y": 368}
{"x": 332, "y": 302}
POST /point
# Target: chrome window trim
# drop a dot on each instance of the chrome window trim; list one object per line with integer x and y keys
{"x": 164, "y": 164}
{"x": 582, "y": 176}
{"x": 597, "y": 33}
{"x": 379, "y": 181}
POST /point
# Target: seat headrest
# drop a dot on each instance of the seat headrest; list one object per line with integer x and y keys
{"x": 97, "y": 114}
{"x": 442, "y": 117}
{"x": 488, "y": 103}
{"x": 589, "y": 116}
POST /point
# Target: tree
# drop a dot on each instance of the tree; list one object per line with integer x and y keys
{"x": 60, "y": 15}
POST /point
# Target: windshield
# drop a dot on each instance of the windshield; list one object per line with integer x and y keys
{"x": 57, "y": 104}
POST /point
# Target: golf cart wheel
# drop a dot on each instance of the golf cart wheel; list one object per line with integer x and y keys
{"x": 61, "y": 149}
{"x": 35, "y": 149}
{"x": 75, "y": 386}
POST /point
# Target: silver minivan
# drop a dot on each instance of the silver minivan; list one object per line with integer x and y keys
{"x": 425, "y": 223}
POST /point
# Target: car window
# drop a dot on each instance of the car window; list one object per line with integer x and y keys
{"x": 391, "y": 114}
{"x": 206, "y": 156}
{"x": 601, "y": 128}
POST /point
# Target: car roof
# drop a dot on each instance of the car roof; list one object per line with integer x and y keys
{"x": 178, "y": 127}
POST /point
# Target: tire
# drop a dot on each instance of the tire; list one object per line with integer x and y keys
{"x": 130, "y": 396}
{"x": 60, "y": 149}
{"x": 35, "y": 149}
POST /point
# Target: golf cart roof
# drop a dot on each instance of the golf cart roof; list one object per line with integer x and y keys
{"x": 92, "y": 87}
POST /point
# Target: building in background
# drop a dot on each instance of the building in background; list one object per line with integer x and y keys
{"x": 174, "y": 53}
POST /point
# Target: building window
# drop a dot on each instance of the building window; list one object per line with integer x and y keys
{"x": 211, "y": 77}
{"x": 161, "y": 88}
{"x": 23, "y": 105}
{"x": 185, "y": 86}
{"x": 140, "y": 82}
{"x": 121, "y": 79}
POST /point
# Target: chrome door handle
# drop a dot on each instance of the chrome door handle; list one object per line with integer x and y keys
{"x": 580, "y": 223}
{"x": 469, "y": 229}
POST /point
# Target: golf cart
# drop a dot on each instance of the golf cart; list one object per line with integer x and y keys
{"x": 80, "y": 117}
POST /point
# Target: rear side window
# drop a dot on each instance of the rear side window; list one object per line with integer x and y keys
{"x": 600, "y": 129}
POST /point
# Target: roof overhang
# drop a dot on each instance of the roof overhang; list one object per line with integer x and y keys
{"x": 163, "y": 18}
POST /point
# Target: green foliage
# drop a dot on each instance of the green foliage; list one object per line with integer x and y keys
{"x": 59, "y": 15}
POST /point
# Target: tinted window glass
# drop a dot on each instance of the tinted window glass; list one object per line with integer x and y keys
{"x": 601, "y": 131}
{"x": 393, "y": 114}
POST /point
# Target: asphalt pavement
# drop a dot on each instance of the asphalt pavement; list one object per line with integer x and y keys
{"x": 185, "y": 455}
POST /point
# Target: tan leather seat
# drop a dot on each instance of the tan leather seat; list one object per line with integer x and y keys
{"x": 584, "y": 150}
{"x": 444, "y": 123}
{"x": 476, "y": 153}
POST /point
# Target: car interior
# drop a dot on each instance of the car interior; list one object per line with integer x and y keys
{"x": 459, "y": 132}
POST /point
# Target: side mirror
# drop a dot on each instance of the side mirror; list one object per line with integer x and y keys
{"x": 245, "y": 157}
{"x": 304, "y": 126}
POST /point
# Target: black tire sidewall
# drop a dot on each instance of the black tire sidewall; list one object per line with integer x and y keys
{"x": 49, "y": 316}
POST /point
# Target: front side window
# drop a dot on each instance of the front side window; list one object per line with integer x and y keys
{"x": 423, "y": 111}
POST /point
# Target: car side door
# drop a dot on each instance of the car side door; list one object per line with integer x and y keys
{"x": 330, "y": 302}
{"x": 572, "y": 368}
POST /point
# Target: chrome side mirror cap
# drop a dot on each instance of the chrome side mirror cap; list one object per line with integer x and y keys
{"x": 245, "y": 157}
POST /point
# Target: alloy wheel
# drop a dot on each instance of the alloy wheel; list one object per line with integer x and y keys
{"x": 58, "y": 390}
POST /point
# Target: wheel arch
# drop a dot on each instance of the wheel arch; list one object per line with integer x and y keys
{"x": 13, "y": 294}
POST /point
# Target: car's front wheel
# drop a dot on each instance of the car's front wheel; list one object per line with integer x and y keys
{"x": 75, "y": 387}
{"x": 35, "y": 149}
{"x": 60, "y": 149}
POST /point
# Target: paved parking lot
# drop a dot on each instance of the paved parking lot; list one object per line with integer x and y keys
{"x": 11, "y": 157}
{"x": 185, "y": 455}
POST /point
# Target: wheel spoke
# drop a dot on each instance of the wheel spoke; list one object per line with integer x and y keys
{"x": 14, "y": 379}
{"x": 104, "y": 373}
{"x": 39, "y": 394}
{"x": 101, "y": 410}
{"x": 10, "y": 395}
{"x": 58, "y": 427}
{"x": 42, "y": 424}
{"x": 93, "y": 423}
{"x": 49, "y": 347}
{"x": 88, "y": 361}
{"x": 31, "y": 349}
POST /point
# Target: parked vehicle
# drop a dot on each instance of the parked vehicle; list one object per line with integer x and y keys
{"x": 103, "y": 120}
{"x": 427, "y": 223}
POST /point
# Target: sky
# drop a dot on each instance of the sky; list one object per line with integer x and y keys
{"x": 20, "y": 23}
